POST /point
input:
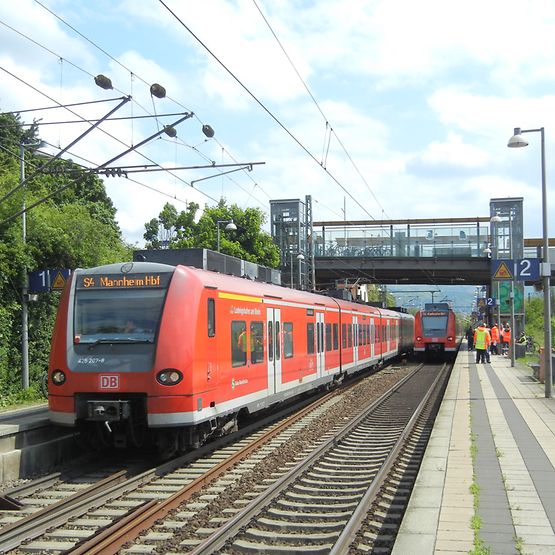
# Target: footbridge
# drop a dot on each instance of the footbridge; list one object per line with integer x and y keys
{"x": 440, "y": 251}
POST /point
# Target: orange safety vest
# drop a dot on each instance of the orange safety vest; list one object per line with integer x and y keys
{"x": 507, "y": 335}
{"x": 495, "y": 334}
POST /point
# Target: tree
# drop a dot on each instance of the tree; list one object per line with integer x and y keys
{"x": 75, "y": 228}
{"x": 179, "y": 230}
{"x": 533, "y": 308}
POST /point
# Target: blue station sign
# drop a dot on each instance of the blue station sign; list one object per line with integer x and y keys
{"x": 45, "y": 281}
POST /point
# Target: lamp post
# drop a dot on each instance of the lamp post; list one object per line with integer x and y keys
{"x": 300, "y": 258}
{"x": 229, "y": 227}
{"x": 25, "y": 286}
{"x": 517, "y": 141}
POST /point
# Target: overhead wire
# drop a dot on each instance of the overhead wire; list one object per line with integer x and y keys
{"x": 59, "y": 105}
{"x": 264, "y": 107}
{"x": 123, "y": 66}
{"x": 326, "y": 119}
{"x": 85, "y": 120}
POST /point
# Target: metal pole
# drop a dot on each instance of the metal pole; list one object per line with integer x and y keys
{"x": 300, "y": 273}
{"x": 218, "y": 241}
{"x": 511, "y": 244}
{"x": 291, "y": 268}
{"x": 546, "y": 275}
{"x": 24, "y": 288}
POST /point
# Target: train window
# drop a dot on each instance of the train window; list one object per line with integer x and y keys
{"x": 108, "y": 314}
{"x": 287, "y": 339}
{"x": 211, "y": 318}
{"x": 349, "y": 335}
{"x": 344, "y": 336}
{"x": 328, "y": 337}
{"x": 238, "y": 343}
{"x": 335, "y": 337}
{"x": 257, "y": 342}
{"x": 270, "y": 341}
{"x": 278, "y": 350}
{"x": 360, "y": 334}
{"x": 310, "y": 338}
{"x": 433, "y": 326}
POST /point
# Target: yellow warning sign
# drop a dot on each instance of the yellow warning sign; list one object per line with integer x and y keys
{"x": 503, "y": 272}
{"x": 59, "y": 281}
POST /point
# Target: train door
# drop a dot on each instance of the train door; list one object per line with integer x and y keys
{"x": 372, "y": 338}
{"x": 320, "y": 345}
{"x": 355, "y": 341}
{"x": 273, "y": 326}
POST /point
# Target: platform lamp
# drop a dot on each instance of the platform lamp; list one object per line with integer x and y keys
{"x": 517, "y": 141}
{"x": 229, "y": 227}
{"x": 300, "y": 258}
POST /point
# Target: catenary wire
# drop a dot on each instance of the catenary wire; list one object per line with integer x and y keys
{"x": 134, "y": 75}
{"x": 264, "y": 107}
{"x": 326, "y": 119}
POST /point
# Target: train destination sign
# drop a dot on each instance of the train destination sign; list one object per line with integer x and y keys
{"x": 118, "y": 281}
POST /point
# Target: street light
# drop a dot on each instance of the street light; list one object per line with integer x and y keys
{"x": 300, "y": 258}
{"x": 517, "y": 141}
{"x": 229, "y": 227}
{"x": 25, "y": 286}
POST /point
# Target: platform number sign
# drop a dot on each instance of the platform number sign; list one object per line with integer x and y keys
{"x": 43, "y": 281}
{"x": 522, "y": 269}
{"x": 527, "y": 269}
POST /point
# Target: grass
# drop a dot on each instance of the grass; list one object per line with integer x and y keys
{"x": 21, "y": 399}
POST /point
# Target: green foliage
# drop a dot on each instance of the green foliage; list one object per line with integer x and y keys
{"x": 534, "y": 320}
{"x": 74, "y": 228}
{"x": 178, "y": 230}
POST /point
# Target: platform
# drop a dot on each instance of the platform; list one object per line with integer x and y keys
{"x": 488, "y": 476}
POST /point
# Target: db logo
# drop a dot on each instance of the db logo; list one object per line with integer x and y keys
{"x": 109, "y": 382}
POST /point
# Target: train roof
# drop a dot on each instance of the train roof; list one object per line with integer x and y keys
{"x": 243, "y": 286}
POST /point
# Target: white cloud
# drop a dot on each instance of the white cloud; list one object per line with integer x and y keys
{"x": 423, "y": 95}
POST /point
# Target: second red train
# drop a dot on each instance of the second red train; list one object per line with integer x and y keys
{"x": 436, "y": 331}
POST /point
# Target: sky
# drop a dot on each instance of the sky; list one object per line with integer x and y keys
{"x": 379, "y": 109}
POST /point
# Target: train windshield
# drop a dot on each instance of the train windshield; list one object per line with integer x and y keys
{"x": 433, "y": 326}
{"x": 109, "y": 316}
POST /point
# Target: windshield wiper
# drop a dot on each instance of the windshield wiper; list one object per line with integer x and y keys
{"x": 122, "y": 340}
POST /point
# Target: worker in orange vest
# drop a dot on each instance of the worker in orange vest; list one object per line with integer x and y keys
{"x": 506, "y": 338}
{"x": 495, "y": 337}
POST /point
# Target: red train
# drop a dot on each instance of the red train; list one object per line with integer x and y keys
{"x": 435, "y": 331}
{"x": 178, "y": 354}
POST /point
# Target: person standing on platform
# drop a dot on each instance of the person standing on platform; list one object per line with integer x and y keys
{"x": 470, "y": 338}
{"x": 506, "y": 338}
{"x": 495, "y": 339}
{"x": 482, "y": 340}
{"x": 488, "y": 348}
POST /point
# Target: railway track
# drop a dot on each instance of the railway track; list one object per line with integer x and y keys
{"x": 319, "y": 504}
{"x": 197, "y": 494}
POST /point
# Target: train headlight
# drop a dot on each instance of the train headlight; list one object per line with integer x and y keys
{"x": 58, "y": 377}
{"x": 418, "y": 338}
{"x": 449, "y": 338}
{"x": 169, "y": 376}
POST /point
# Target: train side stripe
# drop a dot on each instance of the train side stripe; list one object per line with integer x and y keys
{"x": 235, "y": 297}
